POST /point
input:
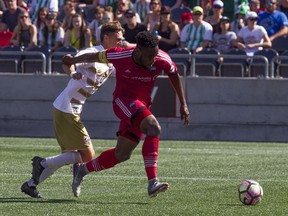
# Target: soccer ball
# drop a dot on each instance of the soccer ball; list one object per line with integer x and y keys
{"x": 250, "y": 192}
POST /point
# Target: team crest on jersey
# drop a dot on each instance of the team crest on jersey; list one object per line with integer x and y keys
{"x": 86, "y": 139}
{"x": 153, "y": 69}
{"x": 172, "y": 69}
{"x": 132, "y": 105}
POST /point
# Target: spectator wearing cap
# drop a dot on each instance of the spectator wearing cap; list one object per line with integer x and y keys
{"x": 275, "y": 22}
{"x": 153, "y": 17}
{"x": 240, "y": 15}
{"x": 167, "y": 31}
{"x": 186, "y": 18}
{"x": 214, "y": 20}
{"x": 252, "y": 37}
{"x": 25, "y": 33}
{"x": 52, "y": 35}
{"x": 224, "y": 38}
{"x": 132, "y": 28}
{"x": 197, "y": 35}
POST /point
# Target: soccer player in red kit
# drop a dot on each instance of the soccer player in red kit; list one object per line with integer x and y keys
{"x": 136, "y": 71}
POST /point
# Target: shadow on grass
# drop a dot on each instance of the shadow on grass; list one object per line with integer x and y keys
{"x": 46, "y": 200}
{"x": 29, "y": 200}
{"x": 232, "y": 204}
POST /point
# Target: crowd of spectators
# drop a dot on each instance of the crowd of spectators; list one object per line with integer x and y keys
{"x": 55, "y": 23}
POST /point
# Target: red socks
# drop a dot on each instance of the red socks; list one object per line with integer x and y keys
{"x": 105, "y": 160}
{"x": 150, "y": 156}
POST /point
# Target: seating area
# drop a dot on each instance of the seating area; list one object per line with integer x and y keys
{"x": 209, "y": 62}
{"x": 37, "y": 60}
{"x": 267, "y": 63}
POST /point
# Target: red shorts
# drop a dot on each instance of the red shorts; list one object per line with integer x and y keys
{"x": 125, "y": 109}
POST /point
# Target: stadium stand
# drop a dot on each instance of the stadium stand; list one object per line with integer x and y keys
{"x": 207, "y": 66}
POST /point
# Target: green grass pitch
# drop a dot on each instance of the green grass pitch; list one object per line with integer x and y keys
{"x": 203, "y": 178}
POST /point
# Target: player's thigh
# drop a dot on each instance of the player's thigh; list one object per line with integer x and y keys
{"x": 70, "y": 132}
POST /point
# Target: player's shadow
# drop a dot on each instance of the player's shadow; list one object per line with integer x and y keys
{"x": 232, "y": 204}
{"x": 29, "y": 200}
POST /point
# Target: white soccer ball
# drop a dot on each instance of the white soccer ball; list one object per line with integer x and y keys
{"x": 250, "y": 192}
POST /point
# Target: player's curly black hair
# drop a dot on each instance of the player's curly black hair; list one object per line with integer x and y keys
{"x": 146, "y": 39}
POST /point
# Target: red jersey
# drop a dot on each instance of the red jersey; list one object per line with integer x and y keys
{"x": 132, "y": 80}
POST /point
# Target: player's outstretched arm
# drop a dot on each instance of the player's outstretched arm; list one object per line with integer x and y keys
{"x": 177, "y": 85}
{"x": 88, "y": 57}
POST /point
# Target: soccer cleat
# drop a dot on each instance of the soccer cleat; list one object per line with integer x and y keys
{"x": 78, "y": 175}
{"x": 31, "y": 191}
{"x": 37, "y": 169}
{"x": 155, "y": 187}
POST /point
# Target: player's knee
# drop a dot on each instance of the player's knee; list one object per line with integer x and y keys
{"x": 154, "y": 129}
{"x": 122, "y": 156}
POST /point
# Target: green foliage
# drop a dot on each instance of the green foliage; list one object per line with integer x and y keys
{"x": 204, "y": 177}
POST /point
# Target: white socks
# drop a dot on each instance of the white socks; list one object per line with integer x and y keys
{"x": 51, "y": 164}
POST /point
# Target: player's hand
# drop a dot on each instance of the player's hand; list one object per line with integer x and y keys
{"x": 185, "y": 116}
{"x": 77, "y": 76}
{"x": 67, "y": 59}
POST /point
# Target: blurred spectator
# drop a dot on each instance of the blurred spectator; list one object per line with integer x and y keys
{"x": 239, "y": 22}
{"x": 167, "y": 31}
{"x": 284, "y": 6}
{"x": 25, "y": 33}
{"x": 52, "y": 6}
{"x": 274, "y": 21}
{"x": 207, "y": 9}
{"x": 122, "y": 7}
{"x": 252, "y": 37}
{"x": 69, "y": 10}
{"x": 132, "y": 27}
{"x": 153, "y": 17}
{"x": 255, "y": 6}
{"x": 197, "y": 35}
{"x": 186, "y": 18}
{"x": 142, "y": 8}
{"x": 40, "y": 21}
{"x": 172, "y": 3}
{"x": 108, "y": 16}
{"x": 99, "y": 12}
{"x": 78, "y": 35}
{"x": 10, "y": 16}
{"x": 223, "y": 39}
{"x": 214, "y": 20}
{"x": 2, "y": 8}
{"x": 52, "y": 35}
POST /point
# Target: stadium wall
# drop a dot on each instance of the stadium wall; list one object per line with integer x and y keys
{"x": 222, "y": 109}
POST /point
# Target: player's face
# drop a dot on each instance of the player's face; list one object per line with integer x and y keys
{"x": 146, "y": 56}
{"x": 115, "y": 39}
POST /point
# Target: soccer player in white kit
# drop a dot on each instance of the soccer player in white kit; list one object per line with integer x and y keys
{"x": 71, "y": 134}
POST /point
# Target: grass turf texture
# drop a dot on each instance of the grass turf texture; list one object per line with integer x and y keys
{"x": 204, "y": 178}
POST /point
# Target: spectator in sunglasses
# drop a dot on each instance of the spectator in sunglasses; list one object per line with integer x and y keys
{"x": 252, "y": 37}
{"x": 214, "y": 20}
{"x": 132, "y": 28}
{"x": 274, "y": 21}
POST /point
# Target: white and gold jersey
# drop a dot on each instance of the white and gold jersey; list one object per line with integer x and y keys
{"x": 72, "y": 98}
